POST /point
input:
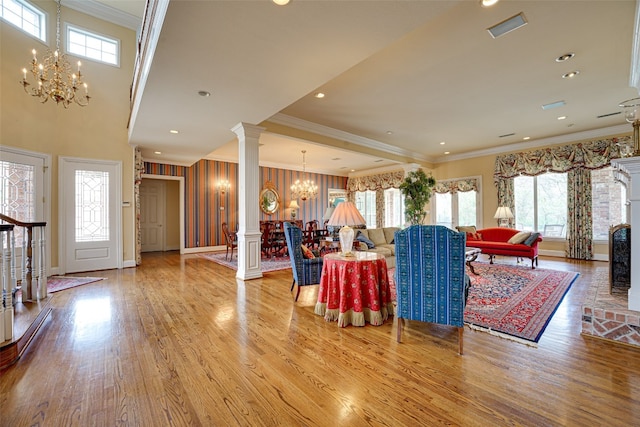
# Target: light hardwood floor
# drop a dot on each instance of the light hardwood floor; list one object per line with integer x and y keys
{"x": 179, "y": 341}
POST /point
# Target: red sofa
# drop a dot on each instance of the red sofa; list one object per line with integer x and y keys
{"x": 494, "y": 241}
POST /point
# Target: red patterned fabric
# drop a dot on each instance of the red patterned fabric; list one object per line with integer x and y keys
{"x": 354, "y": 290}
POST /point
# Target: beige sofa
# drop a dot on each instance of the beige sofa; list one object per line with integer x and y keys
{"x": 382, "y": 239}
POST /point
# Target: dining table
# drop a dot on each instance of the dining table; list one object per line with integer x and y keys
{"x": 354, "y": 290}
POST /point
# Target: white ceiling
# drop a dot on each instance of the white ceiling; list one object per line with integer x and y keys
{"x": 401, "y": 76}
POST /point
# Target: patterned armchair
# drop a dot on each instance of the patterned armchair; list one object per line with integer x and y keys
{"x": 431, "y": 282}
{"x": 305, "y": 271}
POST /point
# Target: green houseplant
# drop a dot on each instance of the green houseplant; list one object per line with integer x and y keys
{"x": 416, "y": 189}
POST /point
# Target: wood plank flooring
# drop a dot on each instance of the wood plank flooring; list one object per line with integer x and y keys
{"x": 180, "y": 342}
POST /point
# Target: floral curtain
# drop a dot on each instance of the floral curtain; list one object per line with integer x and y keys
{"x": 579, "y": 221}
{"x": 455, "y": 185}
{"x": 137, "y": 180}
{"x": 506, "y": 196}
{"x": 380, "y": 181}
{"x": 580, "y": 157}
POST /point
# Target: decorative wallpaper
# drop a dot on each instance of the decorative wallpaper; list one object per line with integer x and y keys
{"x": 203, "y": 217}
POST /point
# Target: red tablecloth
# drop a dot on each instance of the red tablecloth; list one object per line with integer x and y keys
{"x": 354, "y": 290}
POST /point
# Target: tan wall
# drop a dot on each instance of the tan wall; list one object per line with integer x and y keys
{"x": 98, "y": 131}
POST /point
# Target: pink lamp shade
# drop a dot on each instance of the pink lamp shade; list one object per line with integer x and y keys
{"x": 346, "y": 214}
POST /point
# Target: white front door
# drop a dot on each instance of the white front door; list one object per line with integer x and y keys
{"x": 152, "y": 201}
{"x": 90, "y": 214}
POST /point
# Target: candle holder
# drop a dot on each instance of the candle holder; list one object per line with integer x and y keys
{"x": 631, "y": 108}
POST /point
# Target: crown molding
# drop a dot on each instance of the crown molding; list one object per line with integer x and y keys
{"x": 285, "y": 120}
{"x": 104, "y": 12}
{"x": 528, "y": 145}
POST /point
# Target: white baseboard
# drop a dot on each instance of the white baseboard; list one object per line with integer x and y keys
{"x": 129, "y": 263}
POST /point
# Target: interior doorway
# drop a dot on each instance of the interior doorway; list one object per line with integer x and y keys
{"x": 161, "y": 213}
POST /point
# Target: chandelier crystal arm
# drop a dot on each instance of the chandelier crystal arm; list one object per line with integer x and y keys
{"x": 306, "y": 189}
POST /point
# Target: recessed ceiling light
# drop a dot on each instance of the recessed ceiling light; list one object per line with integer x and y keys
{"x": 353, "y": 170}
{"x": 562, "y": 117}
{"x": 447, "y": 152}
{"x": 157, "y": 152}
{"x": 204, "y": 93}
{"x": 526, "y": 138}
{"x": 173, "y": 131}
{"x": 565, "y": 57}
{"x": 488, "y": 3}
{"x": 389, "y": 132}
{"x": 442, "y": 142}
{"x": 319, "y": 95}
{"x": 570, "y": 75}
{"x": 281, "y": 2}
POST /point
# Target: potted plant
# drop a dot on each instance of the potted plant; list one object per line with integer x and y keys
{"x": 416, "y": 189}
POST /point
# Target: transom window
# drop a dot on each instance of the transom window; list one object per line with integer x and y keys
{"x": 24, "y": 16}
{"x": 90, "y": 45}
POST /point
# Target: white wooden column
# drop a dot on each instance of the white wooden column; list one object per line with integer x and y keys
{"x": 631, "y": 165}
{"x": 249, "y": 242}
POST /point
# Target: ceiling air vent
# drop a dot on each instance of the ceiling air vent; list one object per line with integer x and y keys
{"x": 506, "y": 135}
{"x": 507, "y": 25}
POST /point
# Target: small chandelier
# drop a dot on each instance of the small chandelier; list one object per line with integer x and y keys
{"x": 54, "y": 77}
{"x": 306, "y": 189}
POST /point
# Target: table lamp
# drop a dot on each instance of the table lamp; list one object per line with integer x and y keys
{"x": 294, "y": 206}
{"x": 346, "y": 214}
{"x": 503, "y": 215}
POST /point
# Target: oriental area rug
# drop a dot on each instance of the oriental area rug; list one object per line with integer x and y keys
{"x": 266, "y": 264}
{"x": 513, "y": 302}
{"x": 60, "y": 283}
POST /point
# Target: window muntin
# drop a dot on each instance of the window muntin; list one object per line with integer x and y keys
{"x": 541, "y": 201}
{"x": 92, "y": 206}
{"x": 24, "y": 16}
{"x": 93, "y": 46}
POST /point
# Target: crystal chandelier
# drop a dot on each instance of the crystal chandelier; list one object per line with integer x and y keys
{"x": 306, "y": 189}
{"x": 54, "y": 77}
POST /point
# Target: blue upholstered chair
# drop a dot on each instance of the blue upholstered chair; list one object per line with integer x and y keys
{"x": 431, "y": 283}
{"x": 305, "y": 271}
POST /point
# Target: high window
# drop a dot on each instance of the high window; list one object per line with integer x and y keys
{"x": 90, "y": 45}
{"x": 24, "y": 16}
{"x": 541, "y": 204}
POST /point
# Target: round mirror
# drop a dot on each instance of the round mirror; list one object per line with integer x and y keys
{"x": 269, "y": 199}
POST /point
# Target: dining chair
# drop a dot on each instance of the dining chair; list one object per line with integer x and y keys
{"x": 305, "y": 271}
{"x": 431, "y": 283}
{"x": 231, "y": 240}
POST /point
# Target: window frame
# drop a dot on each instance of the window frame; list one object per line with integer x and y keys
{"x": 455, "y": 206}
{"x": 68, "y": 28}
{"x": 536, "y": 221}
{"x": 43, "y": 19}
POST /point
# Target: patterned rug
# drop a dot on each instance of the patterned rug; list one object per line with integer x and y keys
{"x": 510, "y": 301}
{"x": 515, "y": 302}
{"x": 60, "y": 283}
{"x": 266, "y": 265}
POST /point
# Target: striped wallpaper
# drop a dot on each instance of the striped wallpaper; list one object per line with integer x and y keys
{"x": 203, "y": 217}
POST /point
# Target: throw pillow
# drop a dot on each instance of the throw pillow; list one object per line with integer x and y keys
{"x": 306, "y": 252}
{"x": 466, "y": 229}
{"x": 474, "y": 236}
{"x": 519, "y": 237}
{"x": 361, "y": 238}
{"x": 531, "y": 239}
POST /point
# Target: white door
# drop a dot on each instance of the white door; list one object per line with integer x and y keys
{"x": 152, "y": 205}
{"x": 90, "y": 214}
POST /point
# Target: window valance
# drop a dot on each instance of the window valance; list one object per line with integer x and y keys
{"x": 455, "y": 185}
{"x": 380, "y": 181}
{"x": 594, "y": 154}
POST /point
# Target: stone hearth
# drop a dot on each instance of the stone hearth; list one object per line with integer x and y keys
{"x": 606, "y": 315}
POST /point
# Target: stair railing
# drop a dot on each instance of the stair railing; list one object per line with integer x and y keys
{"x": 33, "y": 265}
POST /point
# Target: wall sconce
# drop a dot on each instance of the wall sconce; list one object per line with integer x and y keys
{"x": 223, "y": 185}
